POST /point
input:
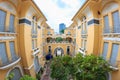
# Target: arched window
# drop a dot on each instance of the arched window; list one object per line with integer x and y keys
{"x": 17, "y": 74}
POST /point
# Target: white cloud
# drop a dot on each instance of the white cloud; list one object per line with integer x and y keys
{"x": 55, "y": 14}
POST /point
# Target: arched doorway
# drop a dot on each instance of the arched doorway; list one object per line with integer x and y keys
{"x": 69, "y": 39}
{"x": 49, "y": 39}
{"x": 16, "y": 72}
{"x": 59, "y": 51}
{"x": 68, "y": 50}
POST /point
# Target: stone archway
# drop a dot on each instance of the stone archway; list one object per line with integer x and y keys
{"x": 58, "y": 51}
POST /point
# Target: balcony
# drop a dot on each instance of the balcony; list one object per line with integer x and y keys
{"x": 35, "y": 51}
{"x": 34, "y": 31}
{"x": 82, "y": 51}
{"x": 68, "y": 34}
{"x": 49, "y": 34}
{"x": 111, "y": 30}
{"x": 9, "y": 63}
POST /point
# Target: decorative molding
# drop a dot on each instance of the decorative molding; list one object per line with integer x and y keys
{"x": 93, "y": 21}
{"x": 24, "y": 20}
{"x": 7, "y": 38}
{"x": 112, "y": 39}
{"x": 11, "y": 64}
{"x": 29, "y": 67}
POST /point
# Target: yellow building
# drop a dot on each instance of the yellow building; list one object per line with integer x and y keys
{"x": 25, "y": 37}
{"x": 21, "y": 25}
{"x": 98, "y": 32}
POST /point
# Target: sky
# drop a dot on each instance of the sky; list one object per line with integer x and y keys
{"x": 59, "y": 11}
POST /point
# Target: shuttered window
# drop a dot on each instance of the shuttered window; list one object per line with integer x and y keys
{"x": 106, "y": 24}
{"x": 33, "y": 44}
{"x": 12, "y": 50}
{"x": 116, "y": 22}
{"x": 3, "y": 54}
{"x": 2, "y": 20}
{"x": 36, "y": 64}
{"x": 105, "y": 50}
{"x": 11, "y": 23}
{"x": 114, "y": 54}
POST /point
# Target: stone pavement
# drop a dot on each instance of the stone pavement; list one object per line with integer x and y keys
{"x": 46, "y": 74}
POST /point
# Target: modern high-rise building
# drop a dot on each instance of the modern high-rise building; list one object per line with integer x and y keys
{"x": 62, "y": 26}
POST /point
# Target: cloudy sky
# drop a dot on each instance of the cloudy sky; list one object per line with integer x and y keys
{"x": 59, "y": 11}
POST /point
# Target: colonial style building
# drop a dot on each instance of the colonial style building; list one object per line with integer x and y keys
{"x": 21, "y": 29}
{"x": 98, "y": 32}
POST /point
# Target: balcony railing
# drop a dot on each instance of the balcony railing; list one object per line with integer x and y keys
{"x": 49, "y": 34}
{"x": 10, "y": 62}
{"x": 82, "y": 51}
{"x": 84, "y": 32}
{"x": 68, "y": 34}
{"x": 34, "y": 31}
{"x": 108, "y": 29}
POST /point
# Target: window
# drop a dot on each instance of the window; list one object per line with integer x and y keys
{"x": 69, "y": 32}
{"x": 11, "y": 23}
{"x": 2, "y": 20}
{"x": 49, "y": 32}
{"x": 33, "y": 44}
{"x": 105, "y": 50}
{"x": 36, "y": 64}
{"x": 106, "y": 24}
{"x": 116, "y": 22}
{"x": 3, "y": 54}
{"x": 17, "y": 74}
{"x": 114, "y": 54}
{"x": 84, "y": 25}
{"x": 34, "y": 25}
{"x": 68, "y": 50}
{"x": 85, "y": 43}
{"x": 12, "y": 51}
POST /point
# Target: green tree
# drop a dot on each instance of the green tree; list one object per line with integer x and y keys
{"x": 59, "y": 39}
{"x": 26, "y": 77}
{"x": 89, "y": 67}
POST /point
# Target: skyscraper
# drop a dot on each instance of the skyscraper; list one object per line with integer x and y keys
{"x": 62, "y": 26}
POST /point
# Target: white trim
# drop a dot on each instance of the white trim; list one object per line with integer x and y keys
{"x": 7, "y": 33}
{"x": 82, "y": 52}
{"x": 29, "y": 67}
{"x": 7, "y": 38}
{"x": 36, "y": 52}
{"x": 17, "y": 66}
{"x": 112, "y": 39}
{"x": 114, "y": 68}
{"x": 11, "y": 64}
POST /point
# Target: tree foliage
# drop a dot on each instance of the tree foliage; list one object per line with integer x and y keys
{"x": 59, "y": 39}
{"x": 89, "y": 67}
{"x": 26, "y": 77}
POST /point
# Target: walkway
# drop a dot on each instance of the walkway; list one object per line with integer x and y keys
{"x": 46, "y": 74}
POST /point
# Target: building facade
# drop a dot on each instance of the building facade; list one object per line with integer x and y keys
{"x": 62, "y": 26}
{"x": 21, "y": 29}
{"x": 98, "y": 32}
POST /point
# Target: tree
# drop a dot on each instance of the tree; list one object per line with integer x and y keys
{"x": 59, "y": 39}
{"x": 26, "y": 77}
{"x": 89, "y": 67}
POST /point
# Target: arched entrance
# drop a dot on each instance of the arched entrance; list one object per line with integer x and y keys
{"x": 16, "y": 72}
{"x": 59, "y": 51}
